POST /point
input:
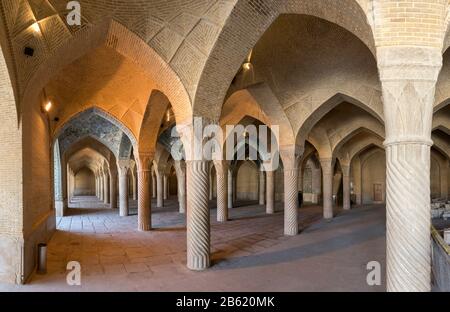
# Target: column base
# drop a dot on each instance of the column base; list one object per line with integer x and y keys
{"x": 198, "y": 263}
{"x": 291, "y": 231}
{"x": 222, "y": 218}
{"x": 144, "y": 227}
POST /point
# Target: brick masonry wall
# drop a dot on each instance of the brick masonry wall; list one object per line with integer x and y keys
{"x": 410, "y": 22}
{"x": 11, "y": 200}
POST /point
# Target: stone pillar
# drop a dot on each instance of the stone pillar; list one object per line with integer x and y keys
{"x": 153, "y": 184}
{"x": 144, "y": 161}
{"x": 113, "y": 190}
{"x": 234, "y": 177}
{"x": 198, "y": 223}
{"x": 222, "y": 190}
{"x": 316, "y": 180}
{"x": 346, "y": 186}
{"x": 134, "y": 191}
{"x": 159, "y": 188}
{"x": 58, "y": 181}
{"x": 262, "y": 188}
{"x": 408, "y": 77}
{"x": 230, "y": 189}
{"x": 71, "y": 185}
{"x": 96, "y": 186}
{"x": 106, "y": 186}
{"x": 165, "y": 186}
{"x": 270, "y": 192}
{"x": 290, "y": 161}
{"x": 123, "y": 166}
{"x": 180, "y": 169}
{"x": 100, "y": 185}
{"x": 327, "y": 180}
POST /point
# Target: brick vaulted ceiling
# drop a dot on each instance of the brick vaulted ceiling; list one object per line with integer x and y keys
{"x": 181, "y": 32}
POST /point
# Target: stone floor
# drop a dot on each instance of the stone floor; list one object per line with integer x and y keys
{"x": 250, "y": 252}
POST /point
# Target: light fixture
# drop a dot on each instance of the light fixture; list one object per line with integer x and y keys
{"x": 247, "y": 64}
{"x": 168, "y": 116}
{"x": 35, "y": 27}
{"x": 48, "y": 106}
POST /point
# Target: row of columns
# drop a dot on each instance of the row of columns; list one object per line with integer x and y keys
{"x": 407, "y": 185}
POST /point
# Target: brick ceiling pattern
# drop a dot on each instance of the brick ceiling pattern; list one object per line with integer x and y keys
{"x": 181, "y": 32}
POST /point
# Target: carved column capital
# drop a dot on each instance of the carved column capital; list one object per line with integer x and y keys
{"x": 123, "y": 165}
{"x": 291, "y": 155}
{"x": 345, "y": 170}
{"x": 144, "y": 160}
{"x": 327, "y": 165}
{"x": 408, "y": 78}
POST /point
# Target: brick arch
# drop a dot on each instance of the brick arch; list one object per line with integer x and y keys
{"x": 154, "y": 113}
{"x": 353, "y": 147}
{"x": 113, "y": 35}
{"x": 104, "y": 115}
{"x": 441, "y": 145}
{"x": 440, "y": 105}
{"x": 347, "y": 131}
{"x": 244, "y": 144}
{"x": 244, "y": 27}
{"x": 240, "y": 104}
{"x": 324, "y": 108}
{"x": 375, "y": 132}
{"x": 309, "y": 152}
{"x": 259, "y": 102}
{"x": 94, "y": 144}
{"x": 367, "y": 145}
{"x": 440, "y": 120}
{"x": 87, "y": 161}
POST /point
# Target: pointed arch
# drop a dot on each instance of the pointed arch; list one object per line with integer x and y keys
{"x": 316, "y": 115}
{"x": 154, "y": 113}
{"x": 124, "y": 138}
{"x": 246, "y": 24}
{"x": 114, "y": 35}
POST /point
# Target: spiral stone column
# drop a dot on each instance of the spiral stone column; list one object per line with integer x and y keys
{"x": 222, "y": 190}
{"x": 144, "y": 161}
{"x": 408, "y": 76}
{"x": 290, "y": 160}
{"x": 327, "y": 180}
{"x": 106, "y": 187}
{"x": 346, "y": 186}
{"x": 113, "y": 190}
{"x": 270, "y": 192}
{"x": 123, "y": 166}
{"x": 180, "y": 169}
{"x": 262, "y": 188}
{"x": 198, "y": 223}
{"x": 230, "y": 189}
